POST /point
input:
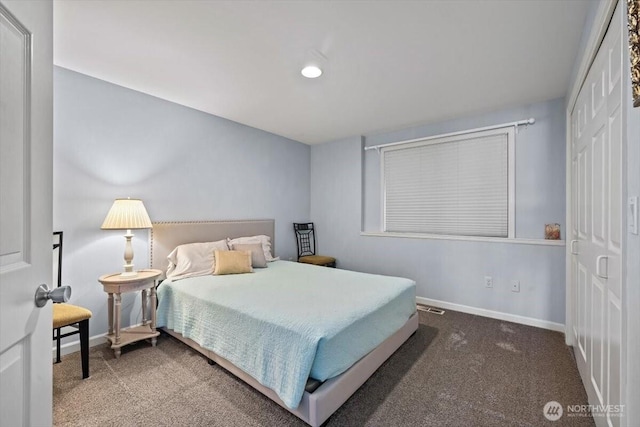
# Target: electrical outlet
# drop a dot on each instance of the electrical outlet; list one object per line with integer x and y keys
{"x": 515, "y": 286}
{"x": 488, "y": 282}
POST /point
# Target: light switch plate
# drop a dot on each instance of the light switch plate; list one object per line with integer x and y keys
{"x": 632, "y": 215}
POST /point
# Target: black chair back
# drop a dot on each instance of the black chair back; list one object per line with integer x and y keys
{"x": 58, "y": 246}
{"x": 305, "y": 238}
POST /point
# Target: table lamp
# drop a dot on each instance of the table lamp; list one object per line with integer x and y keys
{"x": 127, "y": 214}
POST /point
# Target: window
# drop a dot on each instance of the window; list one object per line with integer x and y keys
{"x": 457, "y": 185}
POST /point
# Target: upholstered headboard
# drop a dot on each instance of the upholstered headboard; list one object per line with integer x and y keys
{"x": 165, "y": 236}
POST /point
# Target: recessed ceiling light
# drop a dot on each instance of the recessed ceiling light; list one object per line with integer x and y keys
{"x": 311, "y": 71}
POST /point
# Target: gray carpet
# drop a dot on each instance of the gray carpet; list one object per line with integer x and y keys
{"x": 457, "y": 370}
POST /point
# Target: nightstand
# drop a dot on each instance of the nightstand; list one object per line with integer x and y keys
{"x": 115, "y": 285}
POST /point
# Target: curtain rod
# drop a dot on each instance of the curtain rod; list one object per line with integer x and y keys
{"x": 503, "y": 125}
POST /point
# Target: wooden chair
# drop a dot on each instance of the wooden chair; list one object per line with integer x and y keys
{"x": 306, "y": 242}
{"x": 70, "y": 315}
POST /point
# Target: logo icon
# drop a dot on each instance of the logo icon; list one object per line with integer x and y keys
{"x": 552, "y": 411}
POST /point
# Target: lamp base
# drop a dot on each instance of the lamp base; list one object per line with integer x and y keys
{"x": 128, "y": 257}
{"x": 129, "y": 274}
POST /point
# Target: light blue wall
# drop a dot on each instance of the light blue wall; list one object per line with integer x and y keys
{"x": 112, "y": 142}
{"x": 345, "y": 193}
{"x": 540, "y": 164}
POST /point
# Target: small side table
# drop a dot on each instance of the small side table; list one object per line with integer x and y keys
{"x": 114, "y": 285}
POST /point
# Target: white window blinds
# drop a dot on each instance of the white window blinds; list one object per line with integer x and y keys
{"x": 457, "y": 185}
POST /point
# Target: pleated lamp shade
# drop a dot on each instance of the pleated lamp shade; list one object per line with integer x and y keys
{"x": 127, "y": 214}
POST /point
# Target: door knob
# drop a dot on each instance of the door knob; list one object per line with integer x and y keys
{"x": 43, "y": 294}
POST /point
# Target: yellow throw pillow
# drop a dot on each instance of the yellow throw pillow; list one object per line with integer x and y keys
{"x": 232, "y": 262}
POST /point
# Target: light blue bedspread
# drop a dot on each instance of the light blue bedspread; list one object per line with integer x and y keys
{"x": 288, "y": 322}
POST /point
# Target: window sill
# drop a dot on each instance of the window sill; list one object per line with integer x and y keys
{"x": 516, "y": 241}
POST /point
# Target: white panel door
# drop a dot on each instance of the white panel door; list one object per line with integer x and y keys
{"x": 596, "y": 163}
{"x": 26, "y": 132}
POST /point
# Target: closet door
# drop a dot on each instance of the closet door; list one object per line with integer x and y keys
{"x": 596, "y": 164}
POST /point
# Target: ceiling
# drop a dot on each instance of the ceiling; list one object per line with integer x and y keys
{"x": 389, "y": 64}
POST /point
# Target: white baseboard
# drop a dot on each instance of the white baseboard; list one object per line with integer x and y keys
{"x": 74, "y": 346}
{"x": 529, "y": 321}
{"x": 95, "y": 340}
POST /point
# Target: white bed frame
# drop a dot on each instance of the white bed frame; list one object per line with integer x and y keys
{"x": 315, "y": 408}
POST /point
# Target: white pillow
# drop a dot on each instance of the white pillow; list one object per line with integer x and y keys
{"x": 265, "y": 241}
{"x": 258, "y": 259}
{"x": 193, "y": 259}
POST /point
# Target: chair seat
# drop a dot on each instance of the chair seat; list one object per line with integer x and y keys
{"x": 317, "y": 259}
{"x": 68, "y": 314}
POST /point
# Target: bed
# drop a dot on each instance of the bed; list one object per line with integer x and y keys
{"x": 291, "y": 331}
